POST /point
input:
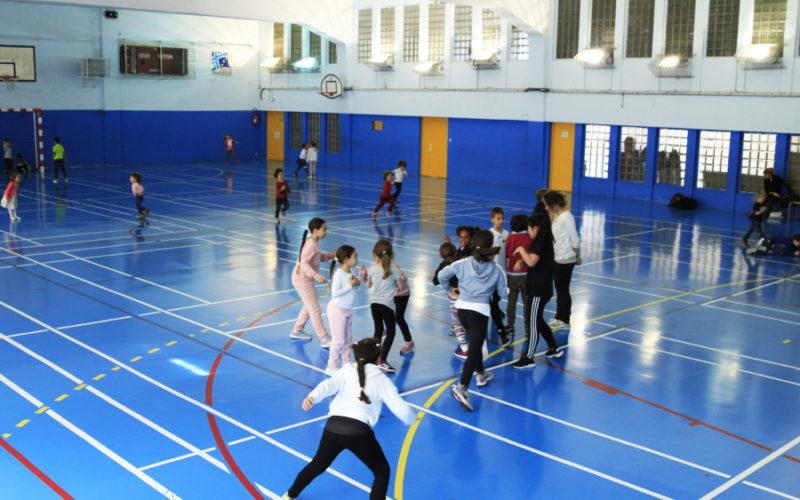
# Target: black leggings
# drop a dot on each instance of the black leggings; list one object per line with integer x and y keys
{"x": 562, "y": 275}
{"x": 59, "y": 164}
{"x": 400, "y": 304}
{"x": 301, "y": 163}
{"x": 753, "y": 224}
{"x": 364, "y": 446}
{"x": 498, "y": 316}
{"x": 534, "y": 310}
{"x": 398, "y": 186}
{"x": 281, "y": 202}
{"x": 383, "y": 318}
{"x": 476, "y": 325}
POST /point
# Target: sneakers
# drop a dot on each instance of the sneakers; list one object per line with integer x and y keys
{"x": 331, "y": 370}
{"x": 140, "y": 217}
{"x": 461, "y": 395}
{"x": 460, "y": 353}
{"x": 386, "y": 367}
{"x": 301, "y": 335}
{"x": 55, "y": 181}
{"x": 523, "y": 363}
{"x": 744, "y": 243}
{"x": 554, "y": 353}
{"x": 287, "y": 497}
{"x": 325, "y": 344}
{"x": 388, "y": 213}
{"x": 510, "y": 329}
{"x": 407, "y": 347}
{"x": 505, "y": 339}
{"x": 374, "y": 215}
{"x": 277, "y": 220}
{"x": 482, "y": 379}
{"x": 146, "y": 211}
{"x": 557, "y": 323}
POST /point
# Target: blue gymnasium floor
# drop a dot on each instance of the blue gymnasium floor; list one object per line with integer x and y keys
{"x": 133, "y": 353}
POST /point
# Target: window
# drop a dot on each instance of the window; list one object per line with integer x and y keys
{"x": 333, "y": 134}
{"x": 604, "y": 13}
{"x": 758, "y": 153}
{"x": 295, "y": 130}
{"x": 567, "y": 28}
{"x": 332, "y": 59}
{"x": 277, "y": 40}
{"x": 436, "y": 32}
{"x": 680, "y": 27}
{"x": 315, "y": 46}
{"x": 633, "y": 155}
{"x": 387, "y": 30}
{"x": 296, "y": 43}
{"x": 595, "y": 151}
{"x": 640, "y": 28}
{"x": 364, "y": 35}
{"x": 411, "y": 33}
{"x": 519, "y": 45}
{"x": 723, "y": 26}
{"x": 769, "y": 20}
{"x": 712, "y": 171}
{"x": 491, "y": 30}
{"x": 672, "y": 156}
{"x": 794, "y": 163}
{"x": 314, "y": 134}
{"x": 462, "y": 33}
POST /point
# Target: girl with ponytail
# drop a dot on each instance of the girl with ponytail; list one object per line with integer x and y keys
{"x": 360, "y": 390}
{"x": 305, "y": 273}
{"x": 343, "y": 286}
{"x": 382, "y": 280}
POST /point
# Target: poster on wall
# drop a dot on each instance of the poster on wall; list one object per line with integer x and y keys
{"x": 220, "y": 63}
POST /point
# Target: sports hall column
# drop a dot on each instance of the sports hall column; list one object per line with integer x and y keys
{"x": 275, "y": 138}
{"x": 562, "y": 153}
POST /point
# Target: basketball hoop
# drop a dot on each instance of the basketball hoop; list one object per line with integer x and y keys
{"x": 331, "y": 87}
{"x": 329, "y": 95}
{"x": 10, "y": 81}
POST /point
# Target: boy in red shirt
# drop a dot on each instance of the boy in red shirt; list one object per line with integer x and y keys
{"x": 229, "y": 142}
{"x": 516, "y": 268}
{"x": 386, "y": 194}
{"x": 282, "y": 192}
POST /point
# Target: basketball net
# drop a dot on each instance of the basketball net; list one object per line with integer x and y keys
{"x": 10, "y": 81}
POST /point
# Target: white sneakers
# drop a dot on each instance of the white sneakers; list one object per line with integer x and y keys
{"x": 557, "y": 323}
{"x": 301, "y": 335}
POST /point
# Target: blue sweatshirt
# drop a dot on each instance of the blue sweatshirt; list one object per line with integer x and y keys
{"x": 476, "y": 280}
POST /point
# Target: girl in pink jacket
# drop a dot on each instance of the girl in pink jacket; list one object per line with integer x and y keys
{"x": 305, "y": 273}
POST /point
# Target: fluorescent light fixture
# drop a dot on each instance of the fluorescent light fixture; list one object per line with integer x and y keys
{"x": 429, "y": 68}
{"x": 671, "y": 65}
{"x": 382, "y": 62}
{"x": 760, "y": 56}
{"x": 271, "y": 63}
{"x": 484, "y": 59}
{"x": 596, "y": 58}
{"x": 306, "y": 64}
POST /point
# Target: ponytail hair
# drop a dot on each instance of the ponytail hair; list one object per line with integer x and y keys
{"x": 383, "y": 251}
{"x": 447, "y": 251}
{"x": 343, "y": 253}
{"x": 483, "y": 251}
{"x": 366, "y": 350}
{"x": 313, "y": 224}
{"x": 542, "y": 221}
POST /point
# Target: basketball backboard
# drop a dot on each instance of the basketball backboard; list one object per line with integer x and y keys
{"x": 18, "y": 61}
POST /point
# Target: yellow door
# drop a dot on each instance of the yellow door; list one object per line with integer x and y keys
{"x": 275, "y": 135}
{"x": 433, "y": 147}
{"x": 562, "y": 149}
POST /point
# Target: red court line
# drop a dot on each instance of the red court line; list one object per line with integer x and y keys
{"x": 41, "y": 475}
{"x": 212, "y": 421}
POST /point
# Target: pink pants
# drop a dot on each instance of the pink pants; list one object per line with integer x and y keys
{"x": 341, "y": 321}
{"x": 458, "y": 328}
{"x": 311, "y": 309}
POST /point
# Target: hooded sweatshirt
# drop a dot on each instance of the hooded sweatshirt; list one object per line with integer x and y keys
{"x": 476, "y": 283}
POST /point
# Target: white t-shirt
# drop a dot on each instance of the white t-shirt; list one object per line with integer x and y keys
{"x": 500, "y": 241}
{"x": 566, "y": 238}
{"x": 399, "y": 175}
{"x": 343, "y": 294}
{"x": 303, "y": 153}
{"x": 382, "y": 290}
{"x": 312, "y": 155}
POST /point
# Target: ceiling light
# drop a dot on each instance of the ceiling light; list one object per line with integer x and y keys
{"x": 596, "y": 58}
{"x": 382, "y": 62}
{"x": 671, "y": 65}
{"x": 429, "y": 68}
{"x": 484, "y": 59}
{"x": 273, "y": 64}
{"x": 760, "y": 56}
{"x": 307, "y": 64}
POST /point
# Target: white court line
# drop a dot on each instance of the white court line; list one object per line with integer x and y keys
{"x": 745, "y": 303}
{"x": 14, "y": 235}
{"x": 770, "y": 490}
{"x": 771, "y": 318}
{"x": 750, "y": 470}
{"x": 631, "y": 290}
{"x": 92, "y": 441}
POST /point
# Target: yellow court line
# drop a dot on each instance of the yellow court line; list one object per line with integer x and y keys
{"x": 242, "y": 318}
{"x": 78, "y": 388}
{"x": 221, "y": 324}
{"x": 258, "y": 314}
{"x": 172, "y": 343}
{"x": 115, "y": 368}
{"x": 151, "y": 351}
{"x": 22, "y": 424}
{"x": 137, "y": 358}
{"x": 99, "y": 376}
{"x": 201, "y": 331}
{"x": 6, "y": 435}
{"x": 62, "y": 397}
{"x": 42, "y": 409}
{"x": 192, "y": 334}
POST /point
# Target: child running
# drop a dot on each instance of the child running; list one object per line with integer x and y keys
{"x": 301, "y": 159}
{"x": 516, "y": 269}
{"x": 478, "y": 278}
{"x": 10, "y": 197}
{"x": 757, "y": 216}
{"x": 59, "y": 157}
{"x": 402, "y": 295}
{"x": 498, "y": 217}
{"x": 447, "y": 251}
{"x": 361, "y": 389}
{"x": 399, "y": 174}
{"x": 229, "y": 142}
{"x": 386, "y": 195}
{"x": 305, "y": 272}
{"x": 382, "y": 280}
{"x": 540, "y": 259}
{"x": 343, "y": 285}
{"x": 138, "y": 195}
{"x": 282, "y": 193}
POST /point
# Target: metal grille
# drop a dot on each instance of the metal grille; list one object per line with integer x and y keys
{"x": 680, "y": 27}
{"x": 595, "y": 151}
{"x": 758, "y": 153}
{"x": 436, "y": 32}
{"x": 491, "y": 30}
{"x": 723, "y": 27}
{"x": 334, "y": 143}
{"x": 520, "y": 47}
{"x": 672, "y": 156}
{"x": 633, "y": 155}
{"x": 387, "y": 30}
{"x": 640, "y": 28}
{"x": 411, "y": 33}
{"x": 712, "y": 171}
{"x": 315, "y": 46}
{"x": 277, "y": 40}
{"x": 569, "y": 12}
{"x": 462, "y": 33}
{"x": 769, "y": 21}
{"x": 314, "y": 134}
{"x": 332, "y": 59}
{"x": 604, "y": 14}
{"x": 296, "y": 130}
{"x": 364, "y": 35}
{"x": 794, "y": 163}
{"x": 296, "y": 43}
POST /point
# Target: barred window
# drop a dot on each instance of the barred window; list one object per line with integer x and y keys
{"x": 723, "y": 28}
{"x": 387, "y": 30}
{"x": 633, "y": 155}
{"x": 712, "y": 171}
{"x": 436, "y": 32}
{"x": 569, "y": 12}
{"x": 672, "y": 156}
{"x": 334, "y": 143}
{"x": 680, "y": 27}
{"x": 604, "y": 14}
{"x": 640, "y": 28}
{"x": 332, "y": 59}
{"x": 769, "y": 21}
{"x": 277, "y": 40}
{"x": 364, "y": 35}
{"x": 491, "y": 30}
{"x": 595, "y": 151}
{"x": 411, "y": 33}
{"x": 462, "y": 33}
{"x": 315, "y": 46}
{"x": 296, "y": 130}
{"x": 758, "y": 153}
{"x": 314, "y": 133}
{"x": 519, "y": 45}
{"x": 296, "y": 43}
{"x": 794, "y": 163}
